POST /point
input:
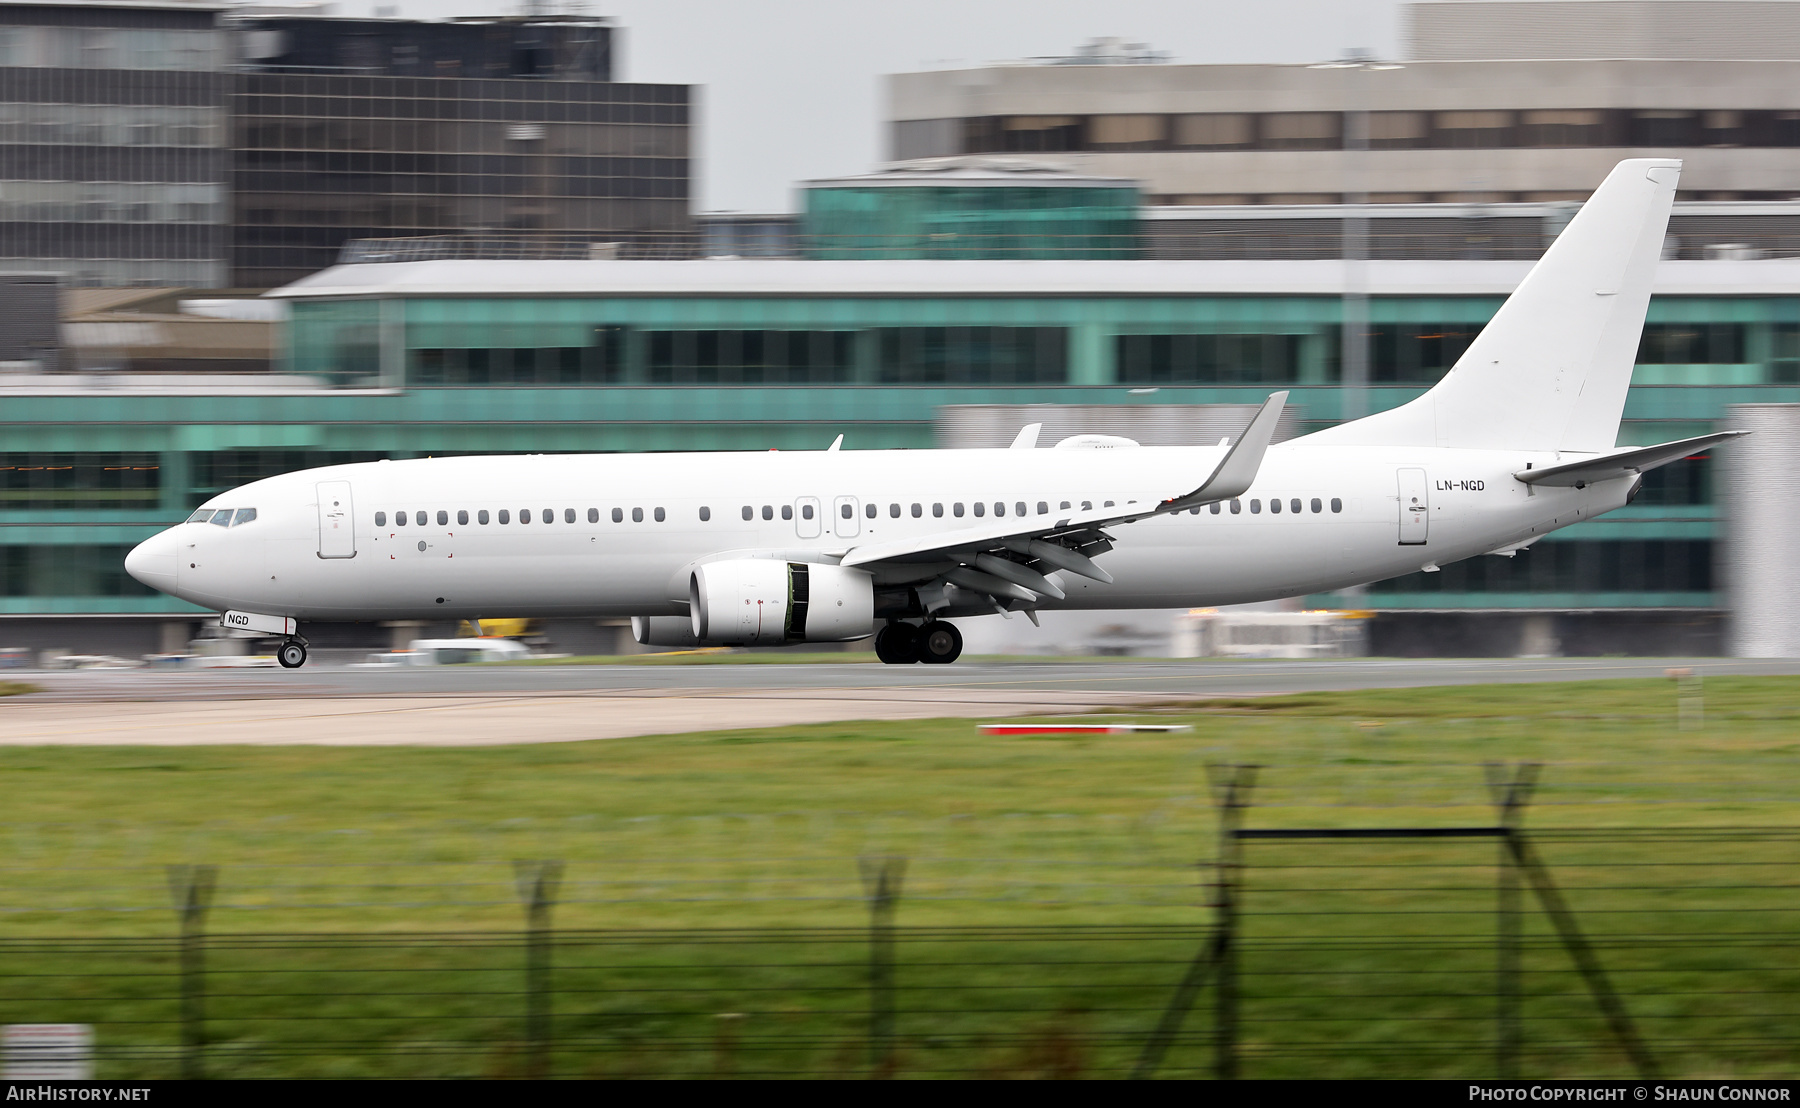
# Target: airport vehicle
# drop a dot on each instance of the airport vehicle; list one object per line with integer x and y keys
{"x": 1516, "y": 441}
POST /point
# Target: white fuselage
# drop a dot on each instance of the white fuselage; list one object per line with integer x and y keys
{"x": 582, "y": 563}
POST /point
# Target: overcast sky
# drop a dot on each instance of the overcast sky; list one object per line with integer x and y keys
{"x": 791, "y": 90}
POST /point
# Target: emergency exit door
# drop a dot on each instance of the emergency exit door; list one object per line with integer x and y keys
{"x": 337, "y": 522}
{"x": 806, "y": 517}
{"x": 1415, "y": 507}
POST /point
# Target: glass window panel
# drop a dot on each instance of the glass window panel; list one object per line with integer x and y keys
{"x": 1215, "y": 129}
{"x": 1301, "y": 130}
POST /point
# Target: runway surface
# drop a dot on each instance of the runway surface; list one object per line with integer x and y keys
{"x": 499, "y": 705}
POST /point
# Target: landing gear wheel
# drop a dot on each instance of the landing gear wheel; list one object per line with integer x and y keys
{"x": 897, "y": 644}
{"x": 940, "y": 643}
{"x": 292, "y": 654}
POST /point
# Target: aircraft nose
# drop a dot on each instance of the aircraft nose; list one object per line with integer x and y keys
{"x": 153, "y": 561}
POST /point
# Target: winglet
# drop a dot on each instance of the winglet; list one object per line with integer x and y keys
{"x": 1237, "y": 470}
{"x": 1026, "y": 439}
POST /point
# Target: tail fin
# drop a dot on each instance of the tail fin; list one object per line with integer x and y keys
{"x": 1550, "y": 370}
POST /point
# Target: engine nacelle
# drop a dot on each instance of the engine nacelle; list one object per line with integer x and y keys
{"x": 764, "y": 602}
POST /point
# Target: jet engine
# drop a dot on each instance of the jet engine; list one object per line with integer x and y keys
{"x": 764, "y": 602}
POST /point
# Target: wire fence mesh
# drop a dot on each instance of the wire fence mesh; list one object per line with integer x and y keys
{"x": 1348, "y": 957}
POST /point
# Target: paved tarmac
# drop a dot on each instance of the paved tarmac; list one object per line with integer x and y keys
{"x": 498, "y": 705}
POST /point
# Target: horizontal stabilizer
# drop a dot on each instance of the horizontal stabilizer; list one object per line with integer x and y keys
{"x": 1622, "y": 463}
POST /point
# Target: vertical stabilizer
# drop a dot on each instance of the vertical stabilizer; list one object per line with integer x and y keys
{"x": 1550, "y": 371}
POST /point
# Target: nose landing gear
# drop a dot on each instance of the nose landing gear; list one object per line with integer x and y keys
{"x": 292, "y": 654}
{"x": 936, "y": 643}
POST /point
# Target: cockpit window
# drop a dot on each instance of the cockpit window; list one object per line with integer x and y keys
{"x": 221, "y": 518}
{"x": 244, "y": 515}
{"x": 201, "y": 516}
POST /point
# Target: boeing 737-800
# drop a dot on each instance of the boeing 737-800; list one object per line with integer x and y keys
{"x": 1516, "y": 441}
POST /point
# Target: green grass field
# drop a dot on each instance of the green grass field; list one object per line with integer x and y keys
{"x": 1360, "y": 959}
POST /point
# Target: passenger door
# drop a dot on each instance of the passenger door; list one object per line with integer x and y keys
{"x": 806, "y": 517}
{"x": 1415, "y": 507}
{"x": 337, "y": 520}
{"x": 846, "y": 523}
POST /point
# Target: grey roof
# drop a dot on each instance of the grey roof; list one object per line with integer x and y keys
{"x": 761, "y": 277}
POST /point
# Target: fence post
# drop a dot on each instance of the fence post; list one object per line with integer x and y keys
{"x": 537, "y": 883}
{"x": 1510, "y": 795}
{"x": 881, "y": 878}
{"x": 1232, "y": 794}
{"x": 191, "y": 889}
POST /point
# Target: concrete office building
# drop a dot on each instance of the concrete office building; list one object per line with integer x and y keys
{"x": 1495, "y": 102}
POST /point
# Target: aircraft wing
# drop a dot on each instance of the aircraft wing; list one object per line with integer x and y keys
{"x": 1011, "y": 558}
{"x": 1621, "y": 463}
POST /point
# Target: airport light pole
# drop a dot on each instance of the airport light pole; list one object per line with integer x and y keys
{"x": 1353, "y": 359}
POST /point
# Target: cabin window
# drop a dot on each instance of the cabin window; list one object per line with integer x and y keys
{"x": 749, "y": 512}
{"x": 618, "y": 515}
{"x": 481, "y": 517}
{"x": 768, "y": 512}
{"x": 549, "y": 515}
{"x": 806, "y": 511}
{"x": 637, "y": 515}
{"x": 1043, "y": 508}
{"x": 418, "y": 518}
{"x": 462, "y": 517}
{"x": 1294, "y": 506}
{"x": 1316, "y": 506}
{"x": 661, "y": 515}
{"x": 205, "y": 514}
{"x": 980, "y": 509}
{"x": 1087, "y": 505}
{"x": 1255, "y": 507}
{"x": 1108, "y": 504}
{"x": 1193, "y": 511}
{"x": 705, "y": 514}
{"x": 894, "y": 511}
{"x": 1274, "y": 506}
{"x": 1237, "y": 507}
{"x": 443, "y": 518}
{"x": 918, "y": 510}
{"x": 787, "y": 511}
{"x": 999, "y": 507}
{"x": 937, "y": 511}
{"x": 1336, "y": 504}
{"x": 956, "y": 509}
{"x": 871, "y": 510}
{"x": 1215, "y": 507}
{"x": 1019, "y": 508}
{"x": 524, "y": 515}
{"x": 568, "y": 515}
{"x": 505, "y": 516}
{"x": 593, "y": 515}
{"x": 381, "y": 519}
{"x": 399, "y": 519}
{"x": 846, "y": 510}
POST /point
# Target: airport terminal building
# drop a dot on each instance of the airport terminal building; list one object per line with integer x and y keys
{"x": 416, "y": 358}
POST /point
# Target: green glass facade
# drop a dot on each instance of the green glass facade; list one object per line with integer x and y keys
{"x": 86, "y": 474}
{"x": 967, "y": 221}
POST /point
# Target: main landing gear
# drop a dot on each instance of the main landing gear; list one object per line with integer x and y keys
{"x": 292, "y": 654}
{"x": 936, "y": 643}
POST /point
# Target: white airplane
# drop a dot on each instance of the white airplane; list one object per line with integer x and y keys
{"x": 830, "y": 546}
